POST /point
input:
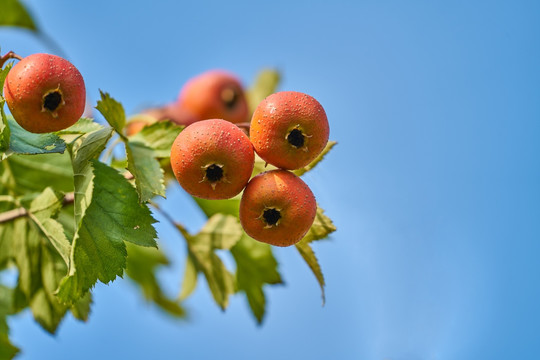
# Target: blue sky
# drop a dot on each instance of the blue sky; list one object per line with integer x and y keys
{"x": 434, "y": 185}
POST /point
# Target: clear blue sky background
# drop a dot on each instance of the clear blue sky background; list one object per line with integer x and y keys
{"x": 434, "y": 185}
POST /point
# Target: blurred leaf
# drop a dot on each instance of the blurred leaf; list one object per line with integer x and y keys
{"x": 265, "y": 84}
{"x": 5, "y": 133}
{"x": 14, "y": 13}
{"x": 226, "y": 207}
{"x": 321, "y": 228}
{"x": 112, "y": 111}
{"x": 24, "y": 142}
{"x": 159, "y": 136}
{"x": 255, "y": 267}
{"x": 318, "y": 159}
{"x": 82, "y": 308}
{"x": 7, "y": 350}
{"x": 219, "y": 232}
{"x": 189, "y": 283}
{"x": 34, "y": 173}
{"x": 111, "y": 214}
{"x": 146, "y": 170}
{"x": 141, "y": 268}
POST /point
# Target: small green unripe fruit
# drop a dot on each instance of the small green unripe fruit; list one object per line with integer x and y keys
{"x": 212, "y": 159}
{"x": 289, "y": 129}
{"x": 45, "y": 93}
{"x": 277, "y": 208}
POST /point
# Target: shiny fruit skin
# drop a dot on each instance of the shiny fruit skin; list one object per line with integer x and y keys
{"x": 276, "y": 117}
{"x": 205, "y": 145}
{"x": 29, "y": 83}
{"x": 283, "y": 191}
{"x": 215, "y": 94}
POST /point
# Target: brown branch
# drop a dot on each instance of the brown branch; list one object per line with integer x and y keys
{"x": 6, "y": 57}
{"x": 69, "y": 198}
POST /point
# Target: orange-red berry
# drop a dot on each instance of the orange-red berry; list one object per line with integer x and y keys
{"x": 215, "y": 94}
{"x": 277, "y": 208}
{"x": 45, "y": 93}
{"x": 212, "y": 159}
{"x": 289, "y": 129}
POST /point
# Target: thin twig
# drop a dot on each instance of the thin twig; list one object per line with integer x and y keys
{"x": 6, "y": 57}
{"x": 69, "y": 198}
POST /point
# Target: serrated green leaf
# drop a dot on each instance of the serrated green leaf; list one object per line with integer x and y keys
{"x": 261, "y": 166}
{"x": 112, "y": 111}
{"x": 24, "y": 142}
{"x": 255, "y": 267}
{"x": 15, "y": 14}
{"x": 159, "y": 136}
{"x": 5, "y": 132}
{"x": 111, "y": 214}
{"x": 321, "y": 228}
{"x": 265, "y": 84}
{"x": 317, "y": 160}
{"x": 141, "y": 268}
{"x": 82, "y": 126}
{"x": 189, "y": 283}
{"x": 149, "y": 177}
{"x": 219, "y": 232}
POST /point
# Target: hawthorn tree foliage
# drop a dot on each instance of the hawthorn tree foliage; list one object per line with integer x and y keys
{"x": 72, "y": 213}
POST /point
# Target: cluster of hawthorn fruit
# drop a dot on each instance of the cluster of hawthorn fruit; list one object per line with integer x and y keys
{"x": 212, "y": 158}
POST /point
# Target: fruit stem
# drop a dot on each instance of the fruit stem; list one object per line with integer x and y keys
{"x": 6, "y": 57}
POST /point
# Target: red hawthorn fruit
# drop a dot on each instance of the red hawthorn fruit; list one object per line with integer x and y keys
{"x": 277, "y": 208}
{"x": 289, "y": 129}
{"x": 215, "y": 94}
{"x": 45, "y": 93}
{"x": 212, "y": 159}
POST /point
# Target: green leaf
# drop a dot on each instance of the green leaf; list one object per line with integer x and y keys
{"x": 149, "y": 177}
{"x": 189, "y": 283}
{"x": 34, "y": 173}
{"x": 7, "y": 350}
{"x": 15, "y": 14}
{"x": 110, "y": 214}
{"x": 82, "y": 126}
{"x": 321, "y": 228}
{"x": 226, "y": 207}
{"x": 5, "y": 132}
{"x": 255, "y": 267}
{"x": 112, "y": 111}
{"x": 219, "y": 232}
{"x": 265, "y": 84}
{"x": 159, "y": 136}
{"x": 24, "y": 142}
{"x": 141, "y": 268}
{"x": 41, "y": 211}
{"x": 318, "y": 159}
{"x": 81, "y": 309}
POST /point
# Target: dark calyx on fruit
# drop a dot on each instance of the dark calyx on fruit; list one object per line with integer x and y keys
{"x": 230, "y": 97}
{"x": 52, "y": 100}
{"x": 296, "y": 138}
{"x": 214, "y": 173}
{"x": 271, "y": 216}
